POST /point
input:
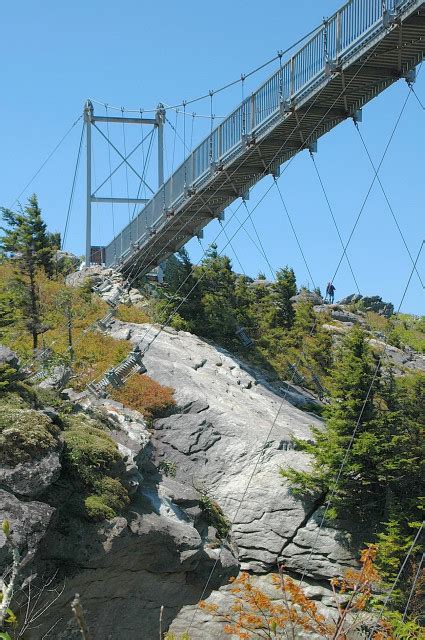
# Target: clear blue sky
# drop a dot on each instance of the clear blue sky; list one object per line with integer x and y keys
{"x": 56, "y": 54}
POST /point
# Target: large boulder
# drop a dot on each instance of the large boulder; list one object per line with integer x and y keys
{"x": 304, "y": 295}
{"x": 31, "y": 479}
{"x": 29, "y": 522}
{"x": 127, "y": 568}
{"x": 57, "y": 378}
{"x": 66, "y": 261}
{"x": 8, "y": 357}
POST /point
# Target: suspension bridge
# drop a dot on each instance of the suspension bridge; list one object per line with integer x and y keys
{"x": 352, "y": 57}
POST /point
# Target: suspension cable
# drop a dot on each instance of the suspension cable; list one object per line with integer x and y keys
{"x": 232, "y": 247}
{"x": 334, "y": 219}
{"x": 249, "y": 235}
{"x": 43, "y": 164}
{"x": 126, "y": 169}
{"x": 394, "y": 217}
{"x": 412, "y": 590}
{"x": 273, "y": 159}
{"x": 276, "y": 155}
{"x": 272, "y": 270}
{"x": 184, "y": 143}
{"x": 174, "y": 143}
{"x": 191, "y": 132}
{"x": 366, "y": 198}
{"x": 421, "y": 104}
{"x": 357, "y": 425}
{"x": 74, "y": 179}
{"x": 278, "y": 56}
{"x": 304, "y": 115}
{"x": 293, "y": 230}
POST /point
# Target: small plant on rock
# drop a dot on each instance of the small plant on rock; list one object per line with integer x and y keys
{"x": 214, "y": 515}
{"x": 168, "y": 468}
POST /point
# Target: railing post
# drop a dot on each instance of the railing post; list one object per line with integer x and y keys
{"x": 252, "y": 126}
{"x": 338, "y": 35}
{"x": 292, "y": 83}
{"x": 325, "y": 43}
{"x": 160, "y": 118}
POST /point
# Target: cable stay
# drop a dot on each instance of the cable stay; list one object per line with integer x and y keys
{"x": 49, "y": 157}
{"x": 278, "y": 56}
{"x": 334, "y": 220}
{"x": 74, "y": 180}
{"x": 391, "y": 209}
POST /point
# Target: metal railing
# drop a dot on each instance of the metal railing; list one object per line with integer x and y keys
{"x": 333, "y": 42}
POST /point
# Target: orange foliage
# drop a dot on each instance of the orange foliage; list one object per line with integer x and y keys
{"x": 256, "y": 615}
{"x": 145, "y": 395}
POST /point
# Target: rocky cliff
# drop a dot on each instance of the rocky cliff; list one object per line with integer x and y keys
{"x": 230, "y": 433}
{"x": 222, "y": 447}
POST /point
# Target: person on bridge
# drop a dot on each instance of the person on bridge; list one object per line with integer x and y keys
{"x": 330, "y": 292}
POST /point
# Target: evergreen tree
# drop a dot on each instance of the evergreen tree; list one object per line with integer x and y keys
{"x": 179, "y": 303}
{"x": 285, "y": 288}
{"x": 7, "y": 311}
{"x": 216, "y": 282}
{"x": 26, "y": 240}
{"x": 351, "y": 406}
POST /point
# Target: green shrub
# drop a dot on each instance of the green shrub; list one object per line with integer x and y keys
{"x": 8, "y": 376}
{"x": 25, "y": 434}
{"x": 51, "y": 398}
{"x": 97, "y": 510}
{"x": 131, "y": 313}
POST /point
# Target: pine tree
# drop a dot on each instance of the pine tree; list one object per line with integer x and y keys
{"x": 7, "y": 312}
{"x": 351, "y": 407}
{"x": 285, "y": 288}
{"x": 216, "y": 282}
{"x": 26, "y": 240}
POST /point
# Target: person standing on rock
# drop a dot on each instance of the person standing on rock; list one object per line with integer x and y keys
{"x": 330, "y": 292}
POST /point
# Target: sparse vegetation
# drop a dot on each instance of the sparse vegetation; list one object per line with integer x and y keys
{"x": 214, "y": 515}
{"x": 168, "y": 468}
{"x": 290, "y": 612}
{"x": 132, "y": 313}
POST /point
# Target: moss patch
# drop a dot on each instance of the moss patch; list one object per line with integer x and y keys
{"x": 92, "y": 459}
{"x": 25, "y": 434}
{"x": 89, "y": 451}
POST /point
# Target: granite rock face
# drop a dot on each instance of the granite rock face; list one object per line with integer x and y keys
{"x": 8, "y": 357}
{"x": 28, "y": 521}
{"x": 30, "y": 479}
{"x": 231, "y": 432}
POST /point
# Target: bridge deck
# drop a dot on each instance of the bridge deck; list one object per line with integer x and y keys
{"x": 352, "y": 58}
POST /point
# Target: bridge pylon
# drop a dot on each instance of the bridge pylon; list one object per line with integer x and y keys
{"x": 90, "y": 121}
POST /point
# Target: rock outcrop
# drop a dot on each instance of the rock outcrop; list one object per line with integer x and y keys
{"x": 231, "y": 431}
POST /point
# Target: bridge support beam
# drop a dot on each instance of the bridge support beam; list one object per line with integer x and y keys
{"x": 90, "y": 120}
{"x": 160, "y": 119}
{"x": 88, "y": 115}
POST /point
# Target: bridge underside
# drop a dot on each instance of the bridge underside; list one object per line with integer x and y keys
{"x": 337, "y": 93}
